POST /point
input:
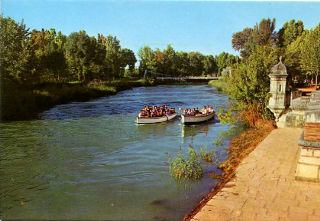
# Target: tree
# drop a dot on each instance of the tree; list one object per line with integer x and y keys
{"x": 239, "y": 39}
{"x": 290, "y": 32}
{"x": 169, "y": 61}
{"x": 182, "y": 63}
{"x": 262, "y": 34}
{"x": 310, "y": 53}
{"x": 249, "y": 83}
{"x": 209, "y": 65}
{"x": 195, "y": 62}
{"x": 82, "y": 54}
{"x": 146, "y": 60}
{"x": 128, "y": 59}
{"x": 113, "y": 55}
{"x": 292, "y": 55}
{"x": 49, "y": 60}
{"x": 226, "y": 60}
{"x": 16, "y": 52}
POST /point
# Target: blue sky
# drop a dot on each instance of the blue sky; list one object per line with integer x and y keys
{"x": 204, "y": 26}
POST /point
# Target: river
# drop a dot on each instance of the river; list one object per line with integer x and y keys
{"x": 90, "y": 160}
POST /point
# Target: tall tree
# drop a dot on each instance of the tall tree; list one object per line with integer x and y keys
{"x": 290, "y": 32}
{"x": 80, "y": 54}
{"x": 310, "y": 53}
{"x": 16, "y": 51}
{"x": 128, "y": 59}
{"x": 146, "y": 60}
{"x": 262, "y": 34}
{"x": 113, "y": 55}
{"x": 249, "y": 82}
{"x": 49, "y": 57}
{"x": 195, "y": 63}
{"x": 226, "y": 60}
{"x": 209, "y": 65}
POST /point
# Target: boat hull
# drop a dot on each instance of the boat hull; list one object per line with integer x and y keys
{"x": 196, "y": 119}
{"x": 153, "y": 120}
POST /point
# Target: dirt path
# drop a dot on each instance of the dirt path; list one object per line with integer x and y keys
{"x": 265, "y": 188}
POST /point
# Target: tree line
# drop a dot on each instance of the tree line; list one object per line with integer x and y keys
{"x": 169, "y": 62}
{"x": 260, "y": 48}
{"x": 37, "y": 56}
{"x": 44, "y": 55}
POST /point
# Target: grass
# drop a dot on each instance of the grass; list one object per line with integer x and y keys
{"x": 22, "y": 103}
{"x": 219, "y": 84}
{"x": 186, "y": 167}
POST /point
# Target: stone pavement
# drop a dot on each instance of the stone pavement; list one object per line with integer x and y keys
{"x": 265, "y": 188}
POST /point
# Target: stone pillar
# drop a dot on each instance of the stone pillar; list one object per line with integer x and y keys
{"x": 278, "y": 101}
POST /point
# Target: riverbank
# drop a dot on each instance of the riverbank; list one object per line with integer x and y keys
{"x": 263, "y": 186}
{"x": 220, "y": 84}
{"x": 25, "y": 103}
{"x": 240, "y": 147}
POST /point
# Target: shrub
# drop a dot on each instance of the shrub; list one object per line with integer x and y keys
{"x": 207, "y": 155}
{"x": 218, "y": 141}
{"x": 186, "y": 167}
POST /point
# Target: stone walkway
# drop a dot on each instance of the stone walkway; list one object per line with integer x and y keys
{"x": 265, "y": 188}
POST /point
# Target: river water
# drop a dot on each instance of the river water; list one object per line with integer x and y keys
{"x": 91, "y": 161}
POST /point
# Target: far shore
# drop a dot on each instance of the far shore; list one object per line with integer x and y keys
{"x": 26, "y": 103}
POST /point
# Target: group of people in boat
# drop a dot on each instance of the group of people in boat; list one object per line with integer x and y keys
{"x": 156, "y": 111}
{"x": 196, "y": 112}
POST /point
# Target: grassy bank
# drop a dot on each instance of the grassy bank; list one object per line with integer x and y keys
{"x": 23, "y": 103}
{"x": 240, "y": 147}
{"x": 220, "y": 84}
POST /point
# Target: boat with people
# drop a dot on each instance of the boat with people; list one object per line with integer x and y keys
{"x": 155, "y": 114}
{"x": 194, "y": 116}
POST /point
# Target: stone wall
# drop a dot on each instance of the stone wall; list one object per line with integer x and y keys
{"x": 294, "y": 118}
{"x": 308, "y": 167}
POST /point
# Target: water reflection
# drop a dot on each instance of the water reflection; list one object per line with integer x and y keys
{"x": 197, "y": 129}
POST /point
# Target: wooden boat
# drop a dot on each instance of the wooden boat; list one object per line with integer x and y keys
{"x": 197, "y": 119}
{"x": 153, "y": 120}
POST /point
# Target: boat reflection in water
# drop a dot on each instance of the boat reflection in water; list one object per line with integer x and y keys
{"x": 193, "y": 130}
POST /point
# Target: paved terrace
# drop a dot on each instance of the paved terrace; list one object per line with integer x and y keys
{"x": 265, "y": 188}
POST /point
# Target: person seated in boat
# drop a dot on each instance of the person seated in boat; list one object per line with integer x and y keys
{"x": 143, "y": 113}
{"x": 193, "y": 112}
{"x": 204, "y": 110}
{"x": 197, "y": 111}
{"x": 210, "y": 109}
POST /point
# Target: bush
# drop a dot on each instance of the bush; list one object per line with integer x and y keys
{"x": 207, "y": 155}
{"x": 186, "y": 167}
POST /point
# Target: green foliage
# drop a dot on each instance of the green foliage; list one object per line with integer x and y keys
{"x": 225, "y": 115}
{"x": 16, "y": 51}
{"x": 310, "y": 52}
{"x": 290, "y": 32}
{"x": 250, "y": 82}
{"x": 172, "y": 63}
{"x": 85, "y": 57}
{"x": 221, "y": 85}
{"x": 186, "y": 167}
{"x": 248, "y": 39}
{"x": 226, "y": 60}
{"x": 207, "y": 156}
{"x": 218, "y": 141}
